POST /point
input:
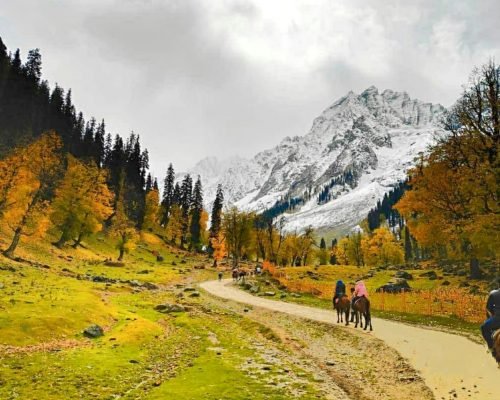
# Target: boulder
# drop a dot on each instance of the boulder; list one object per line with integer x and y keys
{"x": 170, "y": 308}
{"x": 110, "y": 263}
{"x": 269, "y": 294}
{"x": 429, "y": 274}
{"x": 149, "y": 286}
{"x": 189, "y": 289}
{"x": 404, "y": 275}
{"x": 159, "y": 258}
{"x": 93, "y": 331}
{"x": 194, "y": 294}
{"x": 397, "y": 285}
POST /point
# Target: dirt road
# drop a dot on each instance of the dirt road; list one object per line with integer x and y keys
{"x": 451, "y": 365}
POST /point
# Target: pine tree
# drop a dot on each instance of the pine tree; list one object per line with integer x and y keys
{"x": 322, "y": 244}
{"x": 216, "y": 218}
{"x": 168, "y": 194}
{"x": 196, "y": 215}
{"x": 185, "y": 202}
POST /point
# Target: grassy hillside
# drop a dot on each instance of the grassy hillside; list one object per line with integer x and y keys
{"x": 49, "y": 297}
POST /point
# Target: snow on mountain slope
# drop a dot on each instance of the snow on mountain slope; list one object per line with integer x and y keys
{"x": 373, "y": 136}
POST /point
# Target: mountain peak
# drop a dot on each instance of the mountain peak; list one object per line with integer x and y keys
{"x": 370, "y": 90}
{"x": 355, "y": 151}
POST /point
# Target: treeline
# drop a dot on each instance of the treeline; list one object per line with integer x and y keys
{"x": 348, "y": 177}
{"x": 28, "y": 108}
{"x": 67, "y": 176}
{"x": 288, "y": 204}
{"x": 247, "y": 236}
{"x": 384, "y": 211}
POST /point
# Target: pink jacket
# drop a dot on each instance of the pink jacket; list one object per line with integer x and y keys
{"x": 360, "y": 289}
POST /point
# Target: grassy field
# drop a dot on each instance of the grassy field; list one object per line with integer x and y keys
{"x": 49, "y": 297}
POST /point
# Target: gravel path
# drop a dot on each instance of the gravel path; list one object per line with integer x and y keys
{"x": 451, "y": 365}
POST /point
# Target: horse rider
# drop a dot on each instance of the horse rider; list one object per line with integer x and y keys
{"x": 339, "y": 291}
{"x": 359, "y": 291}
{"x": 492, "y": 322}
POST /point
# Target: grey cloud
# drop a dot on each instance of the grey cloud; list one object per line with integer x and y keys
{"x": 161, "y": 69}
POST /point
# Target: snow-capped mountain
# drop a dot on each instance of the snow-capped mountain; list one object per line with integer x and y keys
{"x": 357, "y": 149}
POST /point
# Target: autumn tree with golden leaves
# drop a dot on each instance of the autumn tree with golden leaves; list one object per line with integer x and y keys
{"x": 29, "y": 184}
{"x": 454, "y": 199}
{"x": 82, "y": 202}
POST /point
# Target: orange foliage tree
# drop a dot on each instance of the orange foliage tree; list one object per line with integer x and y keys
{"x": 121, "y": 227}
{"x": 32, "y": 175}
{"x": 152, "y": 211}
{"x": 454, "y": 202}
{"x": 82, "y": 202}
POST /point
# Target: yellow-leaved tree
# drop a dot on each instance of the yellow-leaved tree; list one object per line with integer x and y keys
{"x": 151, "y": 220}
{"x": 121, "y": 227}
{"x": 82, "y": 202}
{"x": 381, "y": 248}
{"x": 454, "y": 203}
{"x": 26, "y": 188}
{"x": 219, "y": 248}
{"x": 173, "y": 229}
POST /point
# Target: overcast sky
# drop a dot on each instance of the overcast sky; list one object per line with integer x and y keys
{"x": 197, "y": 78}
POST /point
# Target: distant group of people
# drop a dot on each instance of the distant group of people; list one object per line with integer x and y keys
{"x": 240, "y": 273}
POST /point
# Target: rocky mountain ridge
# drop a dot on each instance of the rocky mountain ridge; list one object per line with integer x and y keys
{"x": 372, "y": 138}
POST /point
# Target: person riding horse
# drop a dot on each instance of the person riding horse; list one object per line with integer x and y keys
{"x": 359, "y": 291}
{"x": 492, "y": 322}
{"x": 339, "y": 291}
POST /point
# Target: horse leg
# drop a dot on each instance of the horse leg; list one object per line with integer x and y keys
{"x": 356, "y": 317}
{"x": 347, "y": 312}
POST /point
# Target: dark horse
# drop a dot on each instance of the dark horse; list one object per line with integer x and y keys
{"x": 496, "y": 345}
{"x": 343, "y": 306}
{"x": 361, "y": 308}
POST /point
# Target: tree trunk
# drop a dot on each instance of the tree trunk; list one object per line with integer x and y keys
{"x": 120, "y": 258}
{"x": 475, "y": 272}
{"x": 60, "y": 243}
{"x": 15, "y": 241}
{"x": 78, "y": 240}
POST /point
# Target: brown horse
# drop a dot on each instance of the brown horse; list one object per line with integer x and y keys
{"x": 361, "y": 308}
{"x": 496, "y": 345}
{"x": 343, "y": 306}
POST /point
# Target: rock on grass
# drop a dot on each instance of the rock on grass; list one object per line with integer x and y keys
{"x": 93, "y": 331}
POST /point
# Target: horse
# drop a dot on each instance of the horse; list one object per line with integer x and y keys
{"x": 241, "y": 275}
{"x": 343, "y": 306}
{"x": 496, "y": 345}
{"x": 361, "y": 307}
{"x": 235, "y": 275}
